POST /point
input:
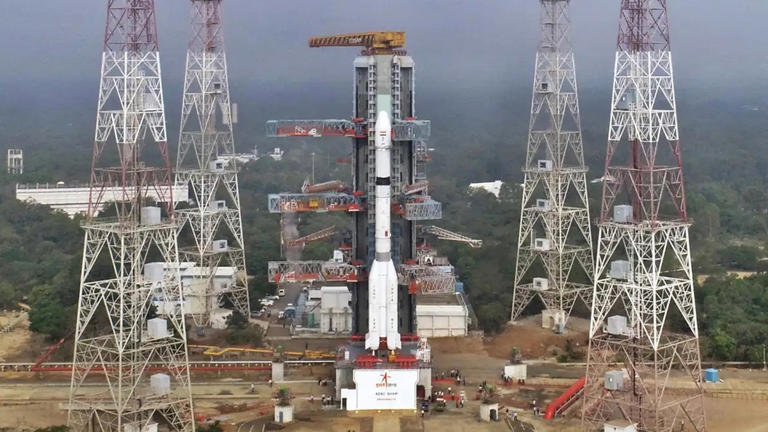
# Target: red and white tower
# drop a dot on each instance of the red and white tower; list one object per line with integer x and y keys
{"x": 206, "y": 163}
{"x": 117, "y": 340}
{"x": 643, "y": 266}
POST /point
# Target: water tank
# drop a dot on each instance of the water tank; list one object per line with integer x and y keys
{"x": 150, "y": 215}
{"x": 541, "y": 284}
{"x": 619, "y": 270}
{"x": 157, "y": 328}
{"x": 617, "y": 325}
{"x": 160, "y": 384}
{"x": 217, "y": 205}
{"x": 219, "y": 246}
{"x": 614, "y": 380}
{"x": 218, "y": 165}
{"x": 711, "y": 375}
{"x": 541, "y": 244}
{"x": 623, "y": 214}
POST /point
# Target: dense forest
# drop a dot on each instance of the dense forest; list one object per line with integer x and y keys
{"x": 727, "y": 201}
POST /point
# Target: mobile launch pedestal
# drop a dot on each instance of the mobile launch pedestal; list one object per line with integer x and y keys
{"x": 383, "y": 381}
{"x": 384, "y": 369}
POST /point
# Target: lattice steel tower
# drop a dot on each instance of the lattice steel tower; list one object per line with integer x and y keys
{"x": 207, "y": 164}
{"x": 115, "y": 343}
{"x": 554, "y": 249}
{"x": 643, "y": 266}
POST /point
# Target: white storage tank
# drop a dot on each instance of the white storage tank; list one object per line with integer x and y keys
{"x": 157, "y": 328}
{"x": 160, "y": 384}
{"x": 218, "y": 205}
{"x": 218, "y": 165}
{"x": 614, "y": 380}
{"x": 150, "y": 215}
{"x": 219, "y": 246}
{"x": 619, "y": 270}
{"x": 541, "y": 284}
{"x": 623, "y": 214}
{"x": 617, "y": 325}
{"x": 545, "y": 165}
{"x": 541, "y": 244}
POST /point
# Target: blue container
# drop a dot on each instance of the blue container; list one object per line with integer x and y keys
{"x": 460, "y": 287}
{"x": 711, "y": 375}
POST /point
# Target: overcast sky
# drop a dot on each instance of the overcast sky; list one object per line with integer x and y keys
{"x": 455, "y": 42}
{"x": 51, "y": 52}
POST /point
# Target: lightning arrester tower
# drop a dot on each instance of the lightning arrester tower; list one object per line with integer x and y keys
{"x": 206, "y": 163}
{"x": 554, "y": 250}
{"x": 140, "y": 363}
{"x": 643, "y": 267}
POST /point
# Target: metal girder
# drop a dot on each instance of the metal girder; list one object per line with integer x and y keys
{"x": 315, "y": 236}
{"x": 206, "y": 162}
{"x": 318, "y": 202}
{"x": 643, "y": 264}
{"x": 427, "y": 209}
{"x": 444, "y": 234}
{"x": 426, "y": 279}
{"x": 555, "y": 206}
{"x": 402, "y": 130}
{"x": 113, "y": 303}
{"x": 310, "y": 271}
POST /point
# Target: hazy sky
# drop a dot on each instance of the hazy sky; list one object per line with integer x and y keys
{"x": 51, "y": 53}
{"x": 455, "y": 42}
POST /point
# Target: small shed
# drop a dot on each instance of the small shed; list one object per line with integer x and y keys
{"x": 711, "y": 375}
{"x": 489, "y": 411}
{"x": 283, "y": 413}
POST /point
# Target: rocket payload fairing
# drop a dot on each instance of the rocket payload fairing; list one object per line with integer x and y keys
{"x": 382, "y": 278}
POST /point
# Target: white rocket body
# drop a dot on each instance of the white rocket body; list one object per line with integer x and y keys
{"x": 382, "y": 278}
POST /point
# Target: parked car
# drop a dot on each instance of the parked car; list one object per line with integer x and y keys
{"x": 281, "y": 292}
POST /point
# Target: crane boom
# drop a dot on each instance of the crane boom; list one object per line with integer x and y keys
{"x": 319, "y": 235}
{"x": 384, "y": 42}
{"x": 444, "y": 234}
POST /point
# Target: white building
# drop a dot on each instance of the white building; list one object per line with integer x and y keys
{"x": 74, "y": 199}
{"x": 193, "y": 283}
{"x": 335, "y": 312}
{"x": 441, "y": 315}
{"x": 493, "y": 187}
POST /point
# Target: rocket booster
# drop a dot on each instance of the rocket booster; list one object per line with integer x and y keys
{"x": 382, "y": 278}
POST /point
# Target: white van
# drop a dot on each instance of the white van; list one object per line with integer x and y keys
{"x": 281, "y": 292}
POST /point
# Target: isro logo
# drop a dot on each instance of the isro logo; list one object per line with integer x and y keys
{"x": 385, "y": 381}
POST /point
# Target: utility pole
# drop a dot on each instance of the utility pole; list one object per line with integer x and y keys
{"x": 643, "y": 264}
{"x": 554, "y": 249}
{"x": 115, "y": 343}
{"x": 206, "y": 162}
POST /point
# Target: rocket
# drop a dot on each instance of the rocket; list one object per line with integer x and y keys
{"x": 382, "y": 278}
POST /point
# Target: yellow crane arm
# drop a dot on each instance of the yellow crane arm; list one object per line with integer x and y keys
{"x": 378, "y": 42}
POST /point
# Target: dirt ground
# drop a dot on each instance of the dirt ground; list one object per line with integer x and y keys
{"x": 534, "y": 341}
{"x": 20, "y": 344}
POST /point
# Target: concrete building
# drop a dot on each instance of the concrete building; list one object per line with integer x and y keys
{"x": 441, "y": 315}
{"x": 335, "y": 310}
{"x": 193, "y": 282}
{"x": 74, "y": 199}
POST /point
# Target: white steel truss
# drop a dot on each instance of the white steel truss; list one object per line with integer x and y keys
{"x": 555, "y": 235}
{"x": 643, "y": 266}
{"x": 115, "y": 343}
{"x": 207, "y": 164}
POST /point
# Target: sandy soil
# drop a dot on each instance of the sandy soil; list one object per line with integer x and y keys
{"x": 20, "y": 344}
{"x": 535, "y": 341}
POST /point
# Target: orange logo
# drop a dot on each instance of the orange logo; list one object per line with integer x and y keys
{"x": 385, "y": 381}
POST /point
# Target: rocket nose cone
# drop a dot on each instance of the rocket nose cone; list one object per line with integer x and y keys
{"x": 382, "y": 122}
